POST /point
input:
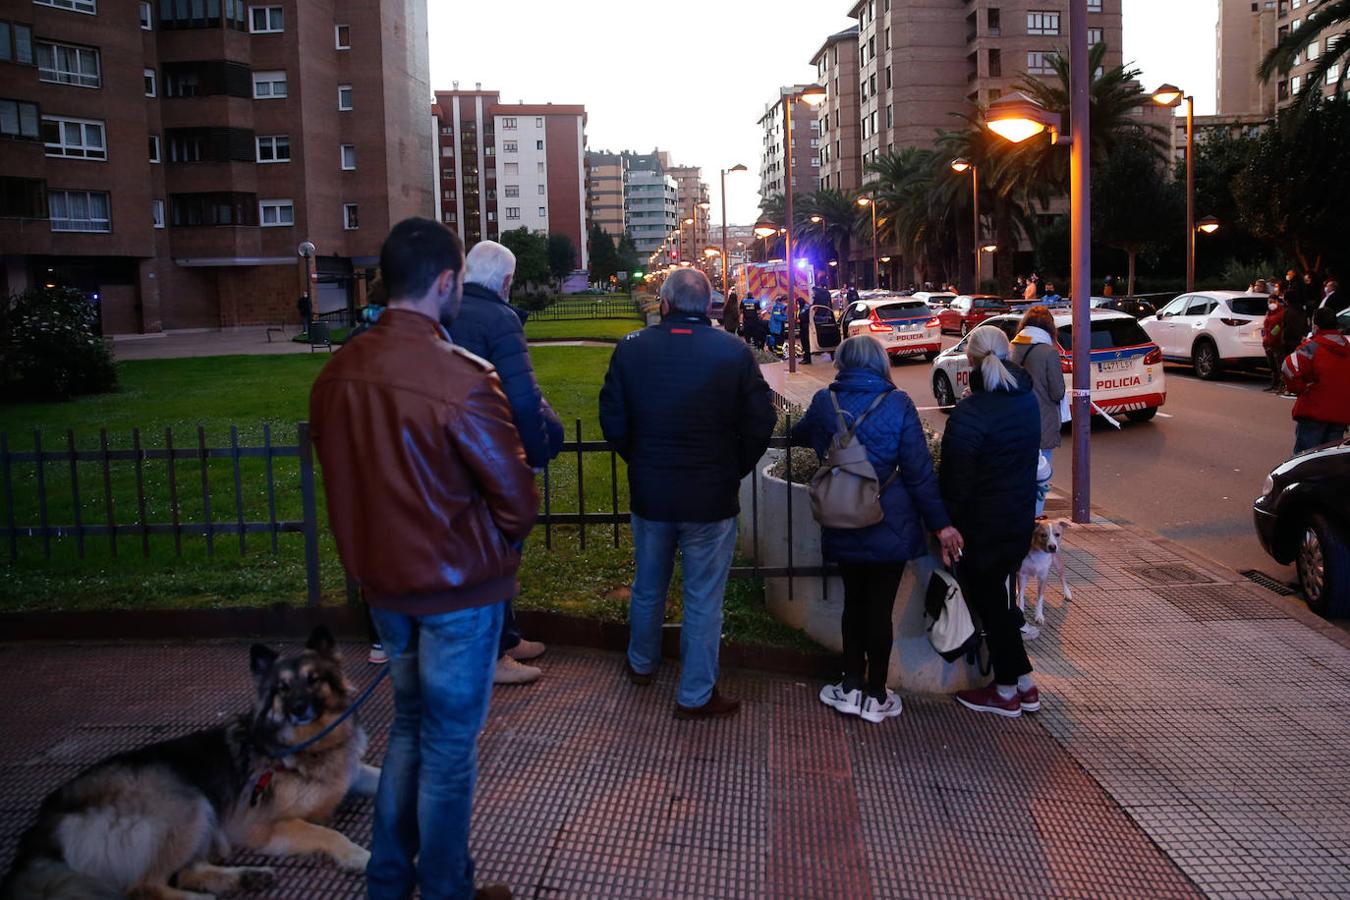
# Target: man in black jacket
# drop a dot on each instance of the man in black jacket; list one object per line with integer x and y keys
{"x": 489, "y": 327}
{"x": 685, "y": 405}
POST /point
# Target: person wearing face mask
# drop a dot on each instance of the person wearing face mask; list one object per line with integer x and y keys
{"x": 1272, "y": 340}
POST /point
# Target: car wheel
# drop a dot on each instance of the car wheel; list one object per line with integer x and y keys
{"x": 1205, "y": 360}
{"x": 1323, "y": 564}
{"x": 1142, "y": 415}
{"x": 942, "y": 391}
{"x": 929, "y": 357}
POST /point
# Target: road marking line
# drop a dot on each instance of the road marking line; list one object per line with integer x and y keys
{"x": 1163, "y": 415}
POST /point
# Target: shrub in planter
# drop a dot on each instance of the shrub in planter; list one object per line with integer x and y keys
{"x": 51, "y": 348}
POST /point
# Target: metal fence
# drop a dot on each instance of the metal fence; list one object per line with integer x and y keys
{"x": 139, "y": 528}
{"x": 590, "y": 306}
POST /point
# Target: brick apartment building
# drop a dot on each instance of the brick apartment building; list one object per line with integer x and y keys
{"x": 805, "y": 146}
{"x": 691, "y": 191}
{"x": 1246, "y": 31}
{"x": 836, "y": 65}
{"x": 169, "y": 157}
{"x": 504, "y": 166}
{"x": 604, "y": 192}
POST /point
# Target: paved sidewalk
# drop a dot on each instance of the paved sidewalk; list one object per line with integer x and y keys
{"x": 248, "y": 340}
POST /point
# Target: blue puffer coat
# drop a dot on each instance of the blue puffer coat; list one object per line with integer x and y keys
{"x": 893, "y": 436}
{"x": 489, "y": 327}
{"x": 989, "y": 456}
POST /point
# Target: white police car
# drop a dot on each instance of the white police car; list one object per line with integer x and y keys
{"x": 905, "y": 326}
{"x": 1127, "y": 370}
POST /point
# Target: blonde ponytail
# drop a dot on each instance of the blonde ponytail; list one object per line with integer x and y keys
{"x": 987, "y": 348}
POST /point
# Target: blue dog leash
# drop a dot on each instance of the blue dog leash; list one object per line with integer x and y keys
{"x": 346, "y": 713}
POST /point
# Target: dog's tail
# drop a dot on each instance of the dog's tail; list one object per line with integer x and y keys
{"x": 44, "y": 877}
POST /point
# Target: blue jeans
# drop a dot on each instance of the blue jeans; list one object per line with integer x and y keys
{"x": 1043, "y": 487}
{"x": 441, "y": 667}
{"x": 1309, "y": 434}
{"x": 705, "y": 549}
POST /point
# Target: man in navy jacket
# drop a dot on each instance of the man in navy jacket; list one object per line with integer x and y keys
{"x": 685, "y": 405}
{"x": 489, "y": 327}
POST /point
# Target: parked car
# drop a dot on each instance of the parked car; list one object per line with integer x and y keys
{"x": 906, "y": 326}
{"x": 1127, "y": 370}
{"x": 969, "y": 310}
{"x": 1140, "y": 309}
{"x": 935, "y": 299}
{"x": 1210, "y": 330}
{"x": 1302, "y": 518}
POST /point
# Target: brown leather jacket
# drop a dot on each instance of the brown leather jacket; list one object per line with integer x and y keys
{"x": 428, "y": 488}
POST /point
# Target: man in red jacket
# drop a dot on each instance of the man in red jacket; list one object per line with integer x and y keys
{"x": 1318, "y": 372}
{"x": 429, "y": 495}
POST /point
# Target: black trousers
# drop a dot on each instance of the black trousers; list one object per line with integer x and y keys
{"x": 987, "y": 586}
{"x": 869, "y": 597}
{"x": 1275, "y": 359}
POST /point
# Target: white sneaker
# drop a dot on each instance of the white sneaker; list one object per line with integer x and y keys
{"x": 847, "y": 702}
{"x": 1030, "y": 632}
{"x": 526, "y": 650}
{"x": 877, "y": 711}
{"x": 378, "y": 655}
{"x": 509, "y": 671}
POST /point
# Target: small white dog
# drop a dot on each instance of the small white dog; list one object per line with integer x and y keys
{"x": 1046, "y": 541}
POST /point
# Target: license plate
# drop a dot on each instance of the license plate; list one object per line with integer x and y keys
{"x": 1116, "y": 365}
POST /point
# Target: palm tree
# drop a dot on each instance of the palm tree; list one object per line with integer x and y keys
{"x": 913, "y": 214}
{"x": 1283, "y": 56}
{"x": 841, "y": 220}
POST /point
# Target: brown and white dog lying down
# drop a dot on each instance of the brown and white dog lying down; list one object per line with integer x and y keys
{"x": 150, "y": 823}
{"x": 1046, "y": 543}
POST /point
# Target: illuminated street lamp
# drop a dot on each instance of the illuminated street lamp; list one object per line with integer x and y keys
{"x": 869, "y": 202}
{"x": 1017, "y": 118}
{"x": 1208, "y": 225}
{"x": 736, "y": 168}
{"x": 815, "y": 220}
{"x": 813, "y": 95}
{"x": 959, "y": 165}
{"x": 1170, "y": 95}
{"x": 989, "y": 248}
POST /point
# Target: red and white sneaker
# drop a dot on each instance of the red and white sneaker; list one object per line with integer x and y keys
{"x": 987, "y": 700}
{"x": 1030, "y": 699}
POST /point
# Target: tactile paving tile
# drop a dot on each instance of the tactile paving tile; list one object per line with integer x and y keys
{"x": 589, "y": 787}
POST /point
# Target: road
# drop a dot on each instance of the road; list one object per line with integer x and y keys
{"x": 1191, "y": 474}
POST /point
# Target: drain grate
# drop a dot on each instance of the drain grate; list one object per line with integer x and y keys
{"x": 1170, "y": 574}
{"x": 1218, "y": 603}
{"x": 1274, "y": 585}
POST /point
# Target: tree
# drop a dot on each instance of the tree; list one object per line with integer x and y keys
{"x": 842, "y": 221}
{"x": 1296, "y": 187}
{"x": 629, "y": 259}
{"x": 1285, "y": 54}
{"x": 562, "y": 257}
{"x": 531, "y": 250}
{"x": 604, "y": 257}
{"x": 1219, "y": 159}
{"x": 1133, "y": 203}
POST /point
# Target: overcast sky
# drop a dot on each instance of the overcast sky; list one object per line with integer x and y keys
{"x": 692, "y": 76}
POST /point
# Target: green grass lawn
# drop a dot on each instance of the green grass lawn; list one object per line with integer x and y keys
{"x": 249, "y": 393}
{"x": 581, "y": 329}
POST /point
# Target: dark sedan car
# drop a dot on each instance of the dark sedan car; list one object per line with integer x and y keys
{"x": 1303, "y": 517}
{"x": 1140, "y": 309}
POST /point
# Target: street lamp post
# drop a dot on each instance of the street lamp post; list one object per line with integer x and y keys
{"x": 870, "y": 202}
{"x": 1017, "y": 117}
{"x": 960, "y": 164}
{"x": 736, "y": 168}
{"x": 1170, "y": 95}
{"x": 811, "y": 94}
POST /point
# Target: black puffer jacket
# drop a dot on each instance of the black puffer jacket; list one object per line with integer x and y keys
{"x": 988, "y": 470}
{"x": 685, "y": 405}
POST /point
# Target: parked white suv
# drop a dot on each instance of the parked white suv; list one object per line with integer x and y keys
{"x": 1210, "y": 330}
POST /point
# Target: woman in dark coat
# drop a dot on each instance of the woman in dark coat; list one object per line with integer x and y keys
{"x": 989, "y": 455}
{"x": 1036, "y": 351}
{"x": 872, "y": 560}
{"x": 731, "y": 313}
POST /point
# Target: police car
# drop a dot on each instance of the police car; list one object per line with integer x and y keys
{"x": 906, "y": 326}
{"x": 1127, "y": 369}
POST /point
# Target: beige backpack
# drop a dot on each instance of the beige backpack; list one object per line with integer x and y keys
{"x": 845, "y": 491}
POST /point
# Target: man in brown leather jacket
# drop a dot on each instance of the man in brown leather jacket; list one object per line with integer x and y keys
{"x": 428, "y": 491}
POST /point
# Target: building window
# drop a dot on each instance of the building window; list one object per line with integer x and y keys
{"x": 543, "y": 211}
{"x": 348, "y": 157}
{"x": 1333, "y": 72}
{"x": 512, "y": 168}
{"x": 23, "y": 198}
{"x": 147, "y": 16}
{"x": 995, "y": 63}
{"x": 79, "y": 211}
{"x": 344, "y": 97}
{"x": 350, "y": 217}
{"x": 342, "y": 37}
{"x": 157, "y": 213}
{"x": 509, "y": 147}
{"x": 1312, "y": 51}
{"x": 1295, "y": 83}
{"x": 79, "y": 6}
{"x": 74, "y": 138}
{"x": 511, "y": 190}
{"x": 509, "y": 123}
{"x": 149, "y": 84}
{"x": 269, "y": 85}
{"x": 19, "y": 120}
{"x": 538, "y": 121}
{"x": 276, "y": 213}
{"x": 1038, "y": 62}
{"x": 154, "y": 148}
{"x": 888, "y": 78}
{"x": 513, "y": 212}
{"x": 890, "y": 118}
{"x": 16, "y": 44}
{"x": 266, "y": 20}
{"x": 539, "y": 167}
{"x": 213, "y": 209}
{"x": 539, "y": 145}
{"x": 273, "y": 148}
{"x": 1094, "y": 5}
{"x": 1042, "y": 22}
{"x": 68, "y": 64}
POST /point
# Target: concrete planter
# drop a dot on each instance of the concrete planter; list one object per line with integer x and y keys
{"x": 816, "y": 604}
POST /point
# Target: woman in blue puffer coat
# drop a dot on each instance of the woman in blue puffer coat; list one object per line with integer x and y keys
{"x": 872, "y": 560}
